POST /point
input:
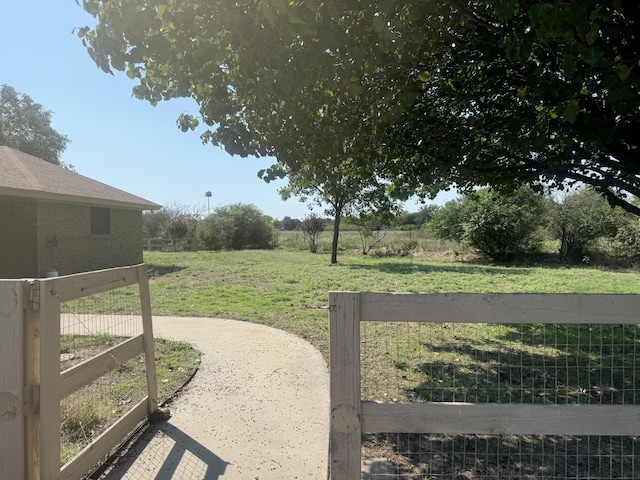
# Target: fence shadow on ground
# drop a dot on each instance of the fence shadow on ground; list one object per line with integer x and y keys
{"x": 164, "y": 452}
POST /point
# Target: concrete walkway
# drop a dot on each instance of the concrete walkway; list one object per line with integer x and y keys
{"x": 258, "y": 409}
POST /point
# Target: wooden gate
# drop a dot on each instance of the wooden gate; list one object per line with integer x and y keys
{"x": 351, "y": 417}
{"x": 32, "y": 386}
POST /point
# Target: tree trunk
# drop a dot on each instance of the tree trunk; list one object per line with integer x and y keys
{"x": 336, "y": 236}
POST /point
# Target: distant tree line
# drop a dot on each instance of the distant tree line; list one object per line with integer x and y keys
{"x": 500, "y": 226}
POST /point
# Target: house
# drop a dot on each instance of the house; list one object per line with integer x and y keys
{"x": 53, "y": 220}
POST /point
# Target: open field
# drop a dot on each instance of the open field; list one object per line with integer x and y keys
{"x": 478, "y": 363}
{"x": 288, "y": 289}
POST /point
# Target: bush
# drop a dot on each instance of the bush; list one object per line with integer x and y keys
{"x": 447, "y": 223}
{"x": 235, "y": 227}
{"x": 178, "y": 227}
{"x": 500, "y": 226}
{"x": 175, "y": 223}
{"x": 628, "y": 236}
{"x": 580, "y": 219}
{"x": 312, "y": 226}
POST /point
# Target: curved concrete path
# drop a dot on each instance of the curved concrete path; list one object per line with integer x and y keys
{"x": 258, "y": 409}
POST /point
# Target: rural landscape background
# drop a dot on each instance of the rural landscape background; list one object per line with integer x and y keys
{"x": 287, "y": 287}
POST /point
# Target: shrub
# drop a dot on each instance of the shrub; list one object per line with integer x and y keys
{"x": 447, "y": 223}
{"x": 174, "y": 222}
{"x": 499, "y": 225}
{"x": 235, "y": 227}
{"x": 628, "y": 236}
{"x": 580, "y": 219}
{"x": 312, "y": 226}
{"x": 372, "y": 228}
{"x": 178, "y": 227}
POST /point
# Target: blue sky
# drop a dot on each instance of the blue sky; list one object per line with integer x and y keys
{"x": 116, "y": 139}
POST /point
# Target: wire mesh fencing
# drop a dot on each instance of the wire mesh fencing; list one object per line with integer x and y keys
{"x": 481, "y": 363}
{"x": 89, "y": 328}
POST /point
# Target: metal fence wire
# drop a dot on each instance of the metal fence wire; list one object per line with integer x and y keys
{"x": 499, "y": 363}
{"x": 88, "y": 412}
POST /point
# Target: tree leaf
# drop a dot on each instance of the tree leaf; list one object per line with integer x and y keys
{"x": 296, "y": 20}
{"x": 593, "y": 34}
{"x": 592, "y": 55}
{"x": 571, "y": 110}
{"x": 379, "y": 24}
{"x": 569, "y": 65}
{"x": 506, "y": 9}
{"x": 623, "y": 71}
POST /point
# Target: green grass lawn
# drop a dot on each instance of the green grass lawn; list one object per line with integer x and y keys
{"x": 288, "y": 289}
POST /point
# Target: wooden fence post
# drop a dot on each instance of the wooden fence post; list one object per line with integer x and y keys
{"x": 344, "y": 343}
{"x": 147, "y": 330}
{"x": 12, "y": 444}
{"x": 49, "y": 378}
{"x": 32, "y": 379}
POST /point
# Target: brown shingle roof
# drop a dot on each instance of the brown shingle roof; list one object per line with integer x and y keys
{"x": 24, "y": 175}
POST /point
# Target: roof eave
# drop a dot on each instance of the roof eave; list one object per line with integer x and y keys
{"x": 76, "y": 199}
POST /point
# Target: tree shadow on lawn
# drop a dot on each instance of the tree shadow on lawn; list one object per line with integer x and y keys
{"x": 398, "y": 268}
{"x": 489, "y": 457}
{"x": 155, "y": 270}
{"x": 542, "y": 364}
{"x": 533, "y": 363}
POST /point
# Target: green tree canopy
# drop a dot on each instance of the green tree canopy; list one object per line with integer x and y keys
{"x": 522, "y": 91}
{"x": 464, "y": 92}
{"x": 26, "y": 126}
{"x": 288, "y": 223}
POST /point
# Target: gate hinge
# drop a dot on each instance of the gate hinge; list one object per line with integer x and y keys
{"x": 34, "y": 295}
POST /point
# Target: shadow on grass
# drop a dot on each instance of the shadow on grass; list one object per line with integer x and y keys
{"x": 484, "y": 457}
{"x": 155, "y": 270}
{"x": 535, "y": 363}
{"x": 565, "y": 364}
{"x": 399, "y": 268}
{"x": 520, "y": 266}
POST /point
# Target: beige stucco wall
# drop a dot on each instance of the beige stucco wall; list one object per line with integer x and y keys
{"x": 65, "y": 242}
{"x": 18, "y": 247}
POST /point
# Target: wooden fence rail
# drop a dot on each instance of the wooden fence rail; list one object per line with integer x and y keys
{"x": 32, "y": 386}
{"x": 351, "y": 417}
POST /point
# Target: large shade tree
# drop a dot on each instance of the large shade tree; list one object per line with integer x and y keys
{"x": 527, "y": 90}
{"x": 461, "y": 92}
{"x": 26, "y": 126}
